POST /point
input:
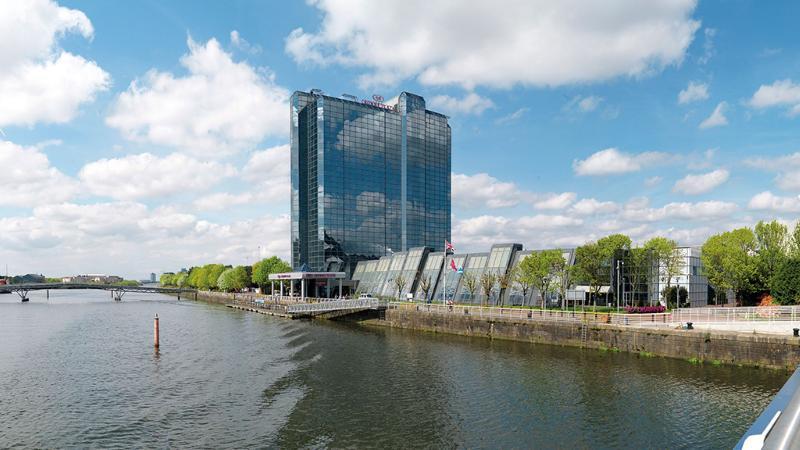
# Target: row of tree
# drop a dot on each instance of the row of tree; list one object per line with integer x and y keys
{"x": 226, "y": 278}
{"x": 755, "y": 263}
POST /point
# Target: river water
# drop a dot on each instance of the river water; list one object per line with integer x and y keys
{"x": 79, "y": 370}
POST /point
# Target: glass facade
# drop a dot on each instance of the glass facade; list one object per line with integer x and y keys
{"x": 368, "y": 180}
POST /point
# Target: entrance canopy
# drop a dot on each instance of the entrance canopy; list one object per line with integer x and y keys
{"x": 307, "y": 276}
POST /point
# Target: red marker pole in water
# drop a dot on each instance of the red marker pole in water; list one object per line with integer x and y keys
{"x": 155, "y": 330}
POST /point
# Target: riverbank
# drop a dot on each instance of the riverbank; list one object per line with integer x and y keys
{"x": 696, "y": 346}
{"x": 715, "y": 347}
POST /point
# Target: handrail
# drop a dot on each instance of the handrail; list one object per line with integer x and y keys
{"x": 778, "y": 426}
{"x": 334, "y": 305}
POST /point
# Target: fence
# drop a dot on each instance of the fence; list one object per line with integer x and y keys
{"x": 738, "y": 314}
{"x": 493, "y": 312}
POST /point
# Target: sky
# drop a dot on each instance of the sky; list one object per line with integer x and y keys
{"x": 149, "y": 136}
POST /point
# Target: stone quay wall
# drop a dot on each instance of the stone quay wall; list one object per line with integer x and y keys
{"x": 748, "y": 349}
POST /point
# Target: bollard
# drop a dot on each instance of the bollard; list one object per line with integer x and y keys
{"x": 689, "y": 326}
{"x": 796, "y": 332}
{"x": 155, "y": 330}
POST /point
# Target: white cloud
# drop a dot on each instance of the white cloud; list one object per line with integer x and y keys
{"x": 768, "y": 201}
{"x": 133, "y": 240}
{"x": 483, "y": 190}
{"x": 29, "y": 180}
{"x": 708, "y": 210}
{"x": 498, "y": 44}
{"x": 717, "y": 118}
{"x": 516, "y": 115}
{"x": 694, "y": 92}
{"x": 590, "y": 206}
{"x": 481, "y": 232}
{"x": 242, "y": 44}
{"x": 612, "y": 161}
{"x": 39, "y": 82}
{"x": 708, "y": 45}
{"x": 701, "y": 183}
{"x": 780, "y": 93}
{"x": 787, "y": 166}
{"x": 555, "y": 201}
{"x": 471, "y": 103}
{"x": 220, "y": 107}
{"x": 653, "y": 181}
{"x": 147, "y": 176}
{"x": 268, "y": 171}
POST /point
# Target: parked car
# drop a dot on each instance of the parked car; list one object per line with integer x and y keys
{"x": 365, "y": 296}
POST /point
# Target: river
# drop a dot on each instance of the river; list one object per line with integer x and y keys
{"x": 79, "y": 370}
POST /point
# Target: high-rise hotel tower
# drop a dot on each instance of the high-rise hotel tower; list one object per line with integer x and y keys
{"x": 368, "y": 179}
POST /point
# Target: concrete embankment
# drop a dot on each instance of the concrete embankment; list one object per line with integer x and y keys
{"x": 749, "y": 349}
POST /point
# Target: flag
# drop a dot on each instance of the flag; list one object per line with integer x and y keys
{"x": 453, "y": 265}
{"x": 448, "y": 247}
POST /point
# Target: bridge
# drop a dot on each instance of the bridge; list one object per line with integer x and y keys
{"x": 117, "y": 291}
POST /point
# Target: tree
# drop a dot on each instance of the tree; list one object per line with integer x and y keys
{"x": 794, "y": 242}
{"x": 233, "y": 279}
{"x": 181, "y": 279}
{"x": 671, "y": 295}
{"x": 562, "y": 273}
{"x": 167, "y": 279}
{"x": 785, "y": 282}
{"x": 266, "y": 267}
{"x": 639, "y": 266}
{"x": 541, "y": 268}
{"x": 504, "y": 281}
{"x": 213, "y": 271}
{"x": 470, "y": 283}
{"x": 487, "y": 281}
{"x": 729, "y": 260}
{"x": 524, "y": 280}
{"x": 666, "y": 259}
{"x": 399, "y": 284}
{"x": 425, "y": 285}
{"x": 772, "y": 245}
{"x": 591, "y": 267}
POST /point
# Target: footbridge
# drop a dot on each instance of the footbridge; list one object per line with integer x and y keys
{"x": 117, "y": 291}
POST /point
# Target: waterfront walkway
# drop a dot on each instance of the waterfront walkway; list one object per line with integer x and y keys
{"x": 291, "y": 308}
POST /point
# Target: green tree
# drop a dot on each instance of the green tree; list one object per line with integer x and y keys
{"x": 666, "y": 258}
{"x": 167, "y": 279}
{"x": 772, "y": 246}
{"x": 181, "y": 279}
{"x": 541, "y": 268}
{"x": 266, "y": 267}
{"x": 794, "y": 242}
{"x": 487, "y": 281}
{"x": 234, "y": 279}
{"x": 785, "y": 282}
{"x": 197, "y": 276}
{"x": 639, "y": 266}
{"x": 562, "y": 272}
{"x": 524, "y": 280}
{"x": 213, "y": 271}
{"x": 504, "y": 281}
{"x": 729, "y": 260}
{"x": 591, "y": 267}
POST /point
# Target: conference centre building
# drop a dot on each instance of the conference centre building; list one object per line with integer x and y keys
{"x": 370, "y": 205}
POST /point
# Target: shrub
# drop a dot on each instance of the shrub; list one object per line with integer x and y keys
{"x": 644, "y": 309}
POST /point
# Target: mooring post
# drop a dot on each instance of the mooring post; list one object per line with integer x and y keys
{"x": 155, "y": 329}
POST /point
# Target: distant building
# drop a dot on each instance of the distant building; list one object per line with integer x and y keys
{"x": 369, "y": 179}
{"x": 92, "y": 278}
{"x": 152, "y": 277}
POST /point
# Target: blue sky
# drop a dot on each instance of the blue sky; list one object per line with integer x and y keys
{"x": 148, "y": 136}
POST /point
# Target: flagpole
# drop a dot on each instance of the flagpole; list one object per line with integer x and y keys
{"x": 444, "y": 274}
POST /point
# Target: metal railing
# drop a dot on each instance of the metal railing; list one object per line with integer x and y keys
{"x": 778, "y": 426}
{"x": 335, "y": 305}
{"x": 738, "y": 314}
{"x": 494, "y": 312}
